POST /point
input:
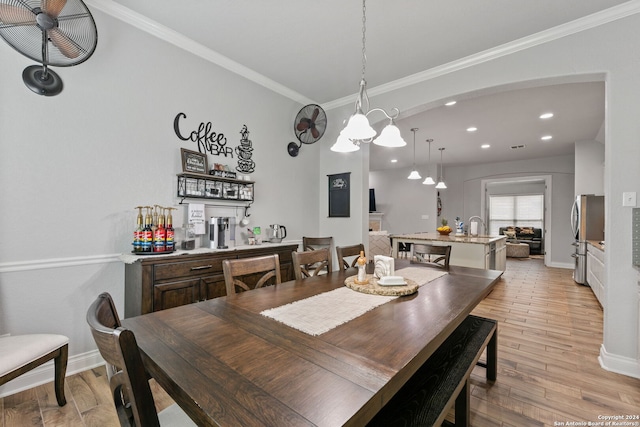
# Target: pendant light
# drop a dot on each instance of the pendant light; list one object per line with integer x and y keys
{"x": 428, "y": 180}
{"x": 441, "y": 184}
{"x": 414, "y": 173}
{"x": 358, "y": 129}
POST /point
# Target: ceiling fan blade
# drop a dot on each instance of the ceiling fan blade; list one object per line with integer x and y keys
{"x": 16, "y": 15}
{"x": 53, "y": 7}
{"x": 314, "y": 132}
{"x": 315, "y": 115}
{"x": 63, "y": 43}
{"x": 303, "y": 124}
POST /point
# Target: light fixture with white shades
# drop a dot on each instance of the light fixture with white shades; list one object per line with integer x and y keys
{"x": 358, "y": 129}
{"x": 441, "y": 184}
{"x": 428, "y": 180}
{"x": 414, "y": 173}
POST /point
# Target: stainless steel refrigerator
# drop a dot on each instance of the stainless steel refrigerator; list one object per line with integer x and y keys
{"x": 587, "y": 223}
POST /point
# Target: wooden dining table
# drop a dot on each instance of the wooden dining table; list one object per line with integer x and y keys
{"x": 226, "y": 364}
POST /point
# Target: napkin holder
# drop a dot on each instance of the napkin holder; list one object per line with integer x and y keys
{"x": 383, "y": 266}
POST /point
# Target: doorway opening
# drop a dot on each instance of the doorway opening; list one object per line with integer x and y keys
{"x": 521, "y": 202}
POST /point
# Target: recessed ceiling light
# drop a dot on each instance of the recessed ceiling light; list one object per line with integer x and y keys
{"x": 546, "y": 137}
{"x": 394, "y": 160}
{"x": 472, "y": 129}
{"x": 546, "y": 115}
{"x": 450, "y": 103}
{"x": 485, "y": 146}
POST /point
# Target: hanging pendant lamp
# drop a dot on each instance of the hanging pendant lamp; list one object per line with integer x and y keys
{"x": 358, "y": 129}
{"x": 441, "y": 184}
{"x": 414, "y": 173}
{"x": 428, "y": 180}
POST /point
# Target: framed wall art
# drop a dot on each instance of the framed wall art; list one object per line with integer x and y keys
{"x": 194, "y": 162}
{"x": 339, "y": 195}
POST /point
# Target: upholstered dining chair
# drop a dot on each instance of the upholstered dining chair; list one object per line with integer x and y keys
{"x": 348, "y": 251}
{"x": 128, "y": 378}
{"x": 22, "y": 353}
{"x": 422, "y": 254}
{"x": 311, "y": 263}
{"x": 245, "y": 274}
{"x": 315, "y": 243}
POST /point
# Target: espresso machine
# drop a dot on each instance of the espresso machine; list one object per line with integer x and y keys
{"x": 221, "y": 232}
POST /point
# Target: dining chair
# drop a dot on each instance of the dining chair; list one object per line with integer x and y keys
{"x": 311, "y": 263}
{"x": 314, "y": 243}
{"x": 128, "y": 378}
{"x": 251, "y": 273}
{"x": 403, "y": 249}
{"x": 22, "y": 353}
{"x": 422, "y": 254}
{"x": 348, "y": 251}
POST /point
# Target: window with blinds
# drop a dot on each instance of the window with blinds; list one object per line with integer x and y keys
{"x": 518, "y": 211}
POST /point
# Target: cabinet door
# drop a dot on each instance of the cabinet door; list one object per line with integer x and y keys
{"x": 213, "y": 287}
{"x": 286, "y": 265}
{"x": 501, "y": 258}
{"x": 174, "y": 294}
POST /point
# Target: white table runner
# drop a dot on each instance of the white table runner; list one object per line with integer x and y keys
{"x": 321, "y": 313}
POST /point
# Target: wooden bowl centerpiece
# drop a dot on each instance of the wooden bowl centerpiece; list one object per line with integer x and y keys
{"x": 444, "y": 229}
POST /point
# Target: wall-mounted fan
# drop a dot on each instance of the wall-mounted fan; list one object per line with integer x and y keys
{"x": 309, "y": 126}
{"x": 52, "y": 32}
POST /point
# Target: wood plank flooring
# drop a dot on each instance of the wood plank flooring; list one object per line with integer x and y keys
{"x": 549, "y": 337}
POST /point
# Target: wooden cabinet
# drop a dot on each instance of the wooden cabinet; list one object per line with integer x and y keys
{"x": 159, "y": 283}
{"x": 501, "y": 255}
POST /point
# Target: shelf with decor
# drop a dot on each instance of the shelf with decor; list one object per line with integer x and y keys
{"x": 209, "y": 187}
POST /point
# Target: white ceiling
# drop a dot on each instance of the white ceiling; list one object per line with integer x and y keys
{"x": 312, "y": 49}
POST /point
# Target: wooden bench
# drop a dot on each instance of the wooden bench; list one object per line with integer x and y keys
{"x": 444, "y": 378}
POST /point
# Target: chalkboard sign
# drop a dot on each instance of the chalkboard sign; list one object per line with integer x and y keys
{"x": 339, "y": 195}
{"x": 194, "y": 162}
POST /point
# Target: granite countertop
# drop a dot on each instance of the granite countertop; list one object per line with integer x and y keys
{"x": 435, "y": 237}
{"x": 596, "y": 244}
{"x": 131, "y": 258}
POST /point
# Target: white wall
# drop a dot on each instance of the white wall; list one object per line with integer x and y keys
{"x": 404, "y": 202}
{"x": 74, "y": 166}
{"x": 596, "y": 54}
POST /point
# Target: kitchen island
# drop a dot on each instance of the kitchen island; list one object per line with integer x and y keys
{"x": 486, "y": 252}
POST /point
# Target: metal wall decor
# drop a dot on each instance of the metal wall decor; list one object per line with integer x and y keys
{"x": 209, "y": 141}
{"x": 244, "y": 152}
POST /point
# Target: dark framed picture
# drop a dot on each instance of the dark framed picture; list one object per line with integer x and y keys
{"x": 339, "y": 195}
{"x": 194, "y": 162}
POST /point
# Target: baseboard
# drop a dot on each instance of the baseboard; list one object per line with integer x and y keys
{"x": 619, "y": 364}
{"x": 44, "y": 374}
{"x": 568, "y": 266}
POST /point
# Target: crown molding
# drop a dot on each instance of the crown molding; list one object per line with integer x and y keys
{"x": 582, "y": 24}
{"x": 164, "y": 33}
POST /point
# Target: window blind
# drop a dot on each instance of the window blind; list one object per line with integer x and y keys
{"x": 518, "y": 211}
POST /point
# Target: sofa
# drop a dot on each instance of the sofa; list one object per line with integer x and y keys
{"x": 530, "y": 235}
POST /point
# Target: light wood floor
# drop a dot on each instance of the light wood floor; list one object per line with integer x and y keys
{"x": 550, "y": 331}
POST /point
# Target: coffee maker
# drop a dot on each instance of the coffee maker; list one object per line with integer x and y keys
{"x": 221, "y": 232}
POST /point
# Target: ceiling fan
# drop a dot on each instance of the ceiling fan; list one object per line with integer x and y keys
{"x": 52, "y": 32}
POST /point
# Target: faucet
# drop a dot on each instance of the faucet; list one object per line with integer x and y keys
{"x": 477, "y": 218}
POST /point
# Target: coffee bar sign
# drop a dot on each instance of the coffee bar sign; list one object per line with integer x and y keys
{"x": 215, "y": 143}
